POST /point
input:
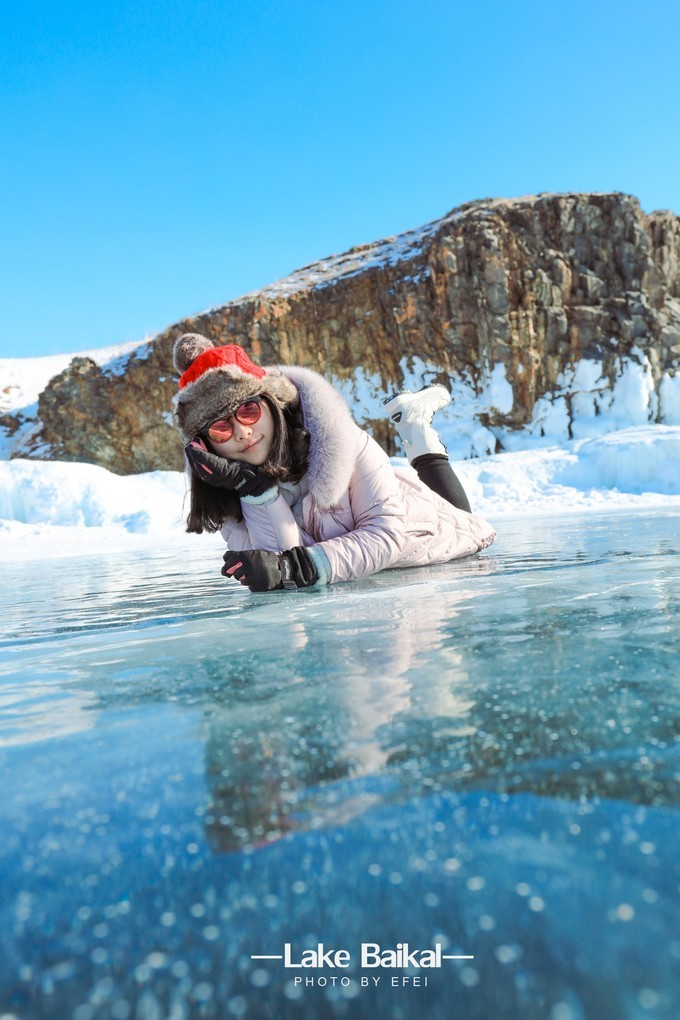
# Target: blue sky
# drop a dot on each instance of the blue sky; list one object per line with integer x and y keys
{"x": 162, "y": 157}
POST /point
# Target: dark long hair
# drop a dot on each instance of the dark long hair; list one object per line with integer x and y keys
{"x": 287, "y": 462}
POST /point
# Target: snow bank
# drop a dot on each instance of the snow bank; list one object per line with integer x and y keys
{"x": 61, "y": 509}
{"x": 84, "y": 495}
{"x": 633, "y": 468}
{"x": 641, "y": 461}
{"x": 50, "y": 508}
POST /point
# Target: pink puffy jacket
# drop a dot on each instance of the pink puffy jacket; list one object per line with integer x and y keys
{"x": 358, "y": 514}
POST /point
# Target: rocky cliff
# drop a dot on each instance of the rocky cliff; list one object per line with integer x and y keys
{"x": 505, "y": 298}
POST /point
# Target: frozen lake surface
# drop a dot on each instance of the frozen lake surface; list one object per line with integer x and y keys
{"x": 481, "y": 756}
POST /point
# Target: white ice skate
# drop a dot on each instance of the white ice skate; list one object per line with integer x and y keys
{"x": 412, "y": 414}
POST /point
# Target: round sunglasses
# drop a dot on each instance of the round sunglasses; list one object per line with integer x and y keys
{"x": 222, "y": 429}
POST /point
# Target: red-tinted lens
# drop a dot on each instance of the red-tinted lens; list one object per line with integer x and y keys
{"x": 222, "y": 430}
{"x": 249, "y": 412}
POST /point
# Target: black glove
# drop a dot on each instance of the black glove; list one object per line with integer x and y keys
{"x": 260, "y": 570}
{"x": 243, "y": 479}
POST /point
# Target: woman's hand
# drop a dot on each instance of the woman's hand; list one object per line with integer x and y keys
{"x": 243, "y": 479}
{"x": 261, "y": 570}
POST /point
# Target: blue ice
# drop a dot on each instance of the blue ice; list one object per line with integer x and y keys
{"x": 482, "y": 756}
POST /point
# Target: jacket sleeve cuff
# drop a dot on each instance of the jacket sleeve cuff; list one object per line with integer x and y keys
{"x": 265, "y": 499}
{"x": 320, "y": 560}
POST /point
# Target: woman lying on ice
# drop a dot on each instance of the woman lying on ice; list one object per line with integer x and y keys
{"x": 300, "y": 493}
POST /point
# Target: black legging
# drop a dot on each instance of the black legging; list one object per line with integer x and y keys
{"x": 435, "y": 470}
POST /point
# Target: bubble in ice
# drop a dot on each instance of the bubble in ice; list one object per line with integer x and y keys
{"x": 648, "y": 998}
{"x": 157, "y": 960}
{"x": 508, "y": 953}
{"x": 203, "y": 992}
{"x": 293, "y": 991}
{"x": 566, "y": 1011}
{"x": 476, "y": 883}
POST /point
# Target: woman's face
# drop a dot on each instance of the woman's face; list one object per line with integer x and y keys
{"x": 249, "y": 443}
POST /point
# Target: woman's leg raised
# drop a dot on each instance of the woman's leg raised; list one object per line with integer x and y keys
{"x": 412, "y": 415}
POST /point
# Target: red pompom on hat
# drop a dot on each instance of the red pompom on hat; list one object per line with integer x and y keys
{"x": 215, "y": 380}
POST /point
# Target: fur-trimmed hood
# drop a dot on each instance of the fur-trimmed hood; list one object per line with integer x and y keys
{"x": 335, "y": 436}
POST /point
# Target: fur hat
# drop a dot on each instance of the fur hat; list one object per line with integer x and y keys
{"x": 215, "y": 380}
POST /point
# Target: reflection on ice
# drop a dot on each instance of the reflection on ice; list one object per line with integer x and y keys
{"x": 483, "y": 753}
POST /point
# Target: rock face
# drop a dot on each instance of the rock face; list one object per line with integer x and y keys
{"x": 529, "y": 287}
{"x": 119, "y": 417}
